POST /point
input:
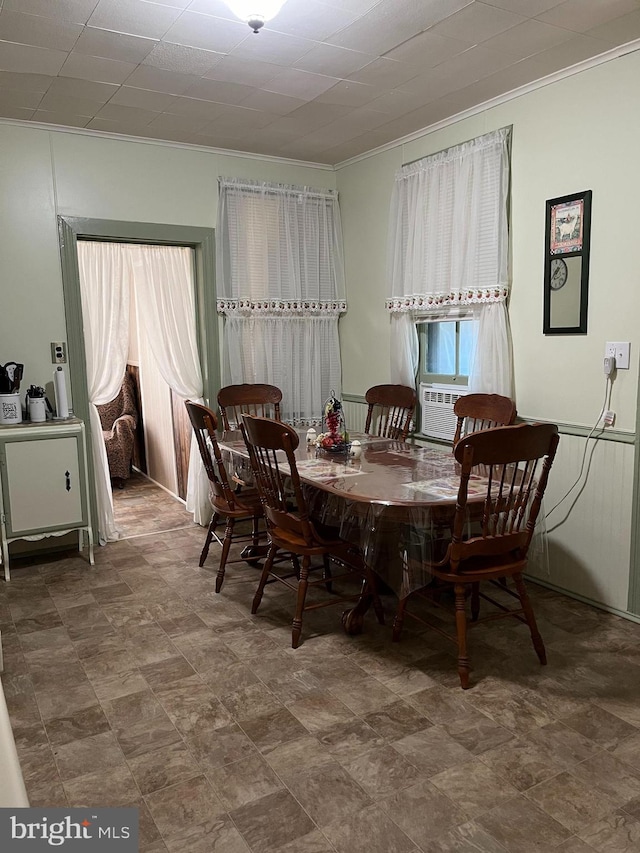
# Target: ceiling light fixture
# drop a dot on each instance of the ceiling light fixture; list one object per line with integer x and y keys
{"x": 255, "y": 12}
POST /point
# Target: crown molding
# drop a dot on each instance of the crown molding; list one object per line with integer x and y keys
{"x": 119, "y": 137}
{"x": 578, "y": 68}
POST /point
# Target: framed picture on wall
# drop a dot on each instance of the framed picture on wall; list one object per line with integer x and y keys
{"x": 566, "y": 264}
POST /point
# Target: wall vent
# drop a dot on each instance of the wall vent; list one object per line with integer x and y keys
{"x": 436, "y": 406}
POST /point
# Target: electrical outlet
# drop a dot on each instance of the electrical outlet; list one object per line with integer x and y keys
{"x": 620, "y": 351}
{"x": 58, "y": 352}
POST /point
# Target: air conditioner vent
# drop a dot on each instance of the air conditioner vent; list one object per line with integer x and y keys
{"x": 436, "y": 404}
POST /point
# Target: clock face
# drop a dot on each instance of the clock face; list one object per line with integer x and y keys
{"x": 557, "y": 274}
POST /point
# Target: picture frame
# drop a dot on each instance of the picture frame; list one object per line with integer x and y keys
{"x": 566, "y": 264}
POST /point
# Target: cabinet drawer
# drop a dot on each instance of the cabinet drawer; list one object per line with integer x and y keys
{"x": 44, "y": 487}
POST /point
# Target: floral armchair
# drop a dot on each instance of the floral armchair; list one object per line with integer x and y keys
{"x": 119, "y": 420}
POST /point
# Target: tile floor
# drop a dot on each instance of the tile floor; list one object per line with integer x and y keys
{"x": 133, "y": 683}
{"x": 142, "y": 508}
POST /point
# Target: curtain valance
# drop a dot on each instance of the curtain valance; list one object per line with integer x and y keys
{"x": 448, "y": 228}
{"x": 280, "y": 251}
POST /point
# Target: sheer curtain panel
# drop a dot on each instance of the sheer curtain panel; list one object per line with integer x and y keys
{"x": 163, "y": 279}
{"x": 447, "y": 249}
{"x": 280, "y": 276}
{"x": 105, "y": 282}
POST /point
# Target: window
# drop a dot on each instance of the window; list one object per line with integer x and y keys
{"x": 446, "y": 350}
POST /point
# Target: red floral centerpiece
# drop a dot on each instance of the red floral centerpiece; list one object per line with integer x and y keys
{"x": 335, "y": 438}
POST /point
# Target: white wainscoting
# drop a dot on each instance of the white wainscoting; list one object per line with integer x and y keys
{"x": 589, "y": 547}
{"x": 355, "y": 415}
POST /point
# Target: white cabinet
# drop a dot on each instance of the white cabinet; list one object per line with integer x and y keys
{"x": 43, "y": 483}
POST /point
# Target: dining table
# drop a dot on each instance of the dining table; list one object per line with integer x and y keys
{"x": 394, "y": 500}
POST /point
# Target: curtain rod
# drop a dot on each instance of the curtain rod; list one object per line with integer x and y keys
{"x": 508, "y": 127}
{"x": 278, "y": 189}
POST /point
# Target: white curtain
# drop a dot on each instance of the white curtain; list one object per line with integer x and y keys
{"x": 280, "y": 276}
{"x": 163, "y": 279}
{"x": 447, "y": 249}
{"x": 105, "y": 282}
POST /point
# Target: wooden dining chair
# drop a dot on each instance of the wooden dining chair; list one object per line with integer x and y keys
{"x": 515, "y": 460}
{"x": 271, "y": 448}
{"x": 226, "y": 503}
{"x": 390, "y": 411}
{"x": 482, "y": 411}
{"x": 235, "y": 400}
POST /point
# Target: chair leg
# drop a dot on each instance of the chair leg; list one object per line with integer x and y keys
{"x": 399, "y": 619}
{"x": 475, "y": 602}
{"x": 226, "y": 546}
{"x": 255, "y": 531}
{"x": 207, "y": 542}
{"x": 302, "y": 594}
{"x": 326, "y": 573}
{"x": 268, "y": 563}
{"x": 461, "y": 629}
{"x": 538, "y": 645}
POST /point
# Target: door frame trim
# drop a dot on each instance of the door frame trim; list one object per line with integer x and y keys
{"x": 202, "y": 240}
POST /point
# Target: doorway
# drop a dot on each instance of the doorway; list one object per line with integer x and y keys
{"x": 201, "y": 241}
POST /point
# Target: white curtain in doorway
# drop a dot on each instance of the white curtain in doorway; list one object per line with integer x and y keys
{"x": 105, "y": 282}
{"x": 163, "y": 277}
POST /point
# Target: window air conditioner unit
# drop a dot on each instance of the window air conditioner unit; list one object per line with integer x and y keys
{"x": 436, "y": 404}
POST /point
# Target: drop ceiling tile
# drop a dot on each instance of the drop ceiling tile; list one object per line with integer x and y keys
{"x": 272, "y": 103}
{"x": 76, "y": 11}
{"x": 116, "y": 127}
{"x": 19, "y": 98}
{"x": 577, "y": 49}
{"x": 216, "y": 90}
{"x": 195, "y": 108}
{"x": 300, "y": 84}
{"x": 206, "y": 32}
{"x": 231, "y": 70}
{"x": 18, "y": 113}
{"x": 467, "y": 67}
{"x": 429, "y": 49}
{"x": 142, "y": 99}
{"x": 182, "y": 58}
{"x": 477, "y": 22}
{"x": 182, "y": 124}
{"x": 384, "y": 73}
{"x": 392, "y": 22}
{"x": 96, "y": 68}
{"x": 397, "y": 102}
{"x": 358, "y": 6}
{"x": 583, "y": 15}
{"x": 64, "y": 119}
{"x": 334, "y": 61}
{"x": 232, "y": 121}
{"x": 26, "y": 82}
{"x": 147, "y": 77}
{"x": 78, "y": 88}
{"x": 38, "y": 31}
{"x": 110, "y": 45}
{"x": 527, "y": 39}
{"x": 528, "y": 8}
{"x": 135, "y": 17}
{"x": 332, "y": 134}
{"x": 217, "y": 8}
{"x": 313, "y": 20}
{"x": 179, "y": 4}
{"x": 419, "y": 119}
{"x": 291, "y": 128}
{"x": 126, "y": 115}
{"x": 70, "y": 104}
{"x": 269, "y": 46}
{"x": 350, "y": 94}
{"x": 365, "y": 119}
{"x": 619, "y": 31}
{"x": 25, "y": 59}
{"x": 315, "y": 114}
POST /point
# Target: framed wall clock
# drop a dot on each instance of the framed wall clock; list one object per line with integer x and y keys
{"x": 566, "y": 264}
